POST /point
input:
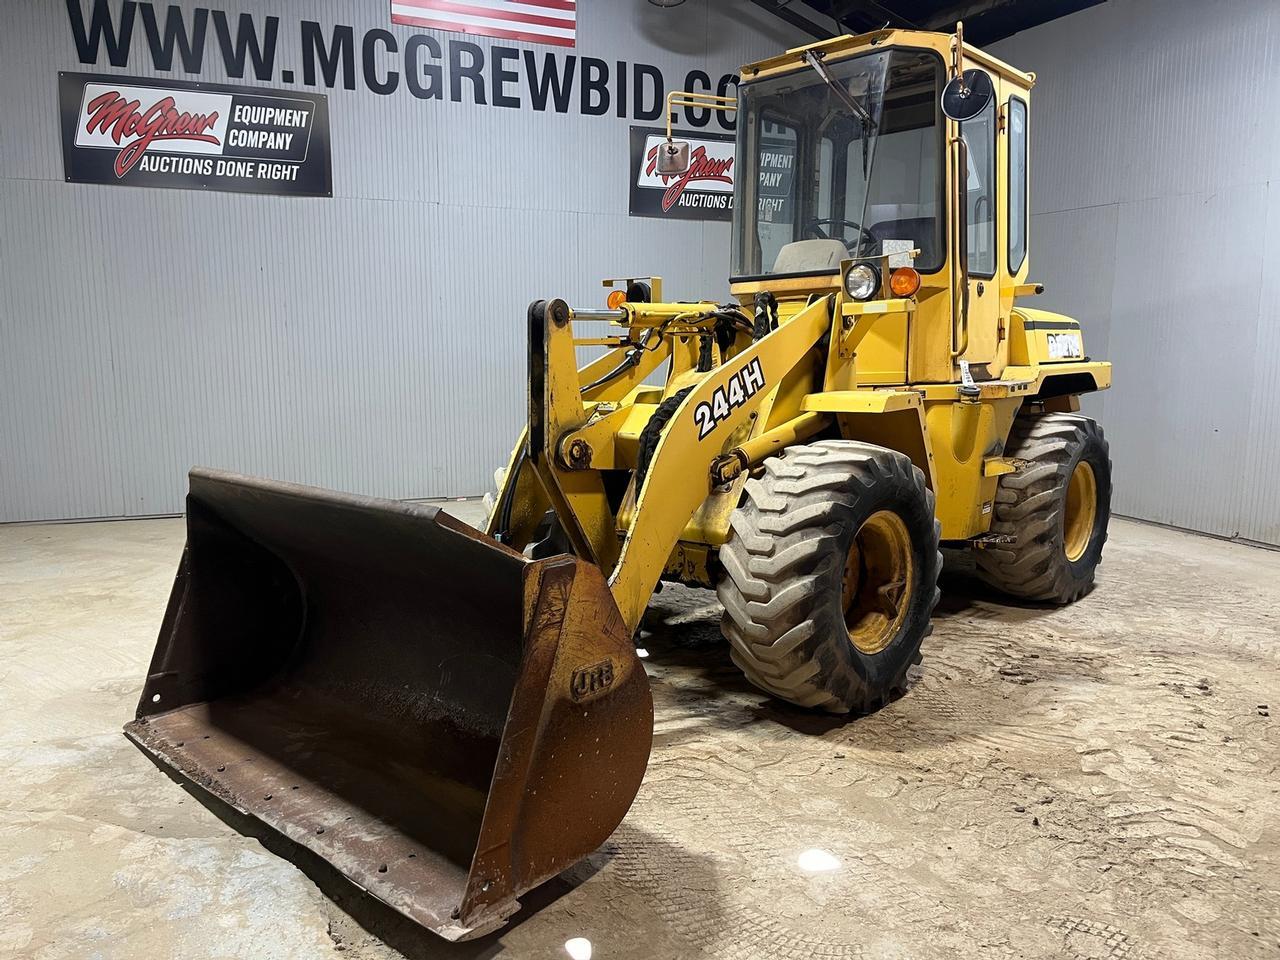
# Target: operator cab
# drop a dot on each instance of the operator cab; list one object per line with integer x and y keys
{"x": 890, "y": 166}
{"x": 841, "y": 161}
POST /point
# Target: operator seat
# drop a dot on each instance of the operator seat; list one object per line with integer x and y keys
{"x": 806, "y": 256}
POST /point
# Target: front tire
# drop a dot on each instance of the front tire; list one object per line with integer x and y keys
{"x": 831, "y": 575}
{"x": 1056, "y": 508}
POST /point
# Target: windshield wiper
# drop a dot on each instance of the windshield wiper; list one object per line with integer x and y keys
{"x": 857, "y": 109}
{"x": 851, "y": 102}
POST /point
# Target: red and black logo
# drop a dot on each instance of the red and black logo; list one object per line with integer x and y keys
{"x": 193, "y": 136}
{"x": 703, "y": 192}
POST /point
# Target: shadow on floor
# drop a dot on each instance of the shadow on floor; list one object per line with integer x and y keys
{"x": 692, "y": 672}
{"x": 371, "y": 914}
{"x": 963, "y": 590}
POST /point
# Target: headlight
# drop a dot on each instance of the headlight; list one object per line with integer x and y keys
{"x": 862, "y": 281}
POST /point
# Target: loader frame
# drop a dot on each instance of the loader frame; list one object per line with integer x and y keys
{"x": 802, "y": 360}
{"x": 449, "y": 718}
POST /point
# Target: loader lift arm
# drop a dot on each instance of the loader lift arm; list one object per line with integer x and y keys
{"x": 718, "y": 403}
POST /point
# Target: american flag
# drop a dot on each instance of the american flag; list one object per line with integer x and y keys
{"x": 535, "y": 21}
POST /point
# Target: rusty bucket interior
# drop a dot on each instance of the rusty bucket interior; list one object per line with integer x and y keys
{"x": 445, "y": 722}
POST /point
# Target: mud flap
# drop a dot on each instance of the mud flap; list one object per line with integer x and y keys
{"x": 445, "y": 722}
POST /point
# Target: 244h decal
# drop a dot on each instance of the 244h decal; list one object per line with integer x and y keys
{"x": 740, "y": 388}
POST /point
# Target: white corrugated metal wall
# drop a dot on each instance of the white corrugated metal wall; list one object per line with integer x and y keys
{"x": 1156, "y": 220}
{"x": 373, "y": 342}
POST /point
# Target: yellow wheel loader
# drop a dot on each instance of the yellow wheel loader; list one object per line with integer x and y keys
{"x": 451, "y": 717}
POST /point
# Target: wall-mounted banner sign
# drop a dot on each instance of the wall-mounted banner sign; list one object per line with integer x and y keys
{"x": 138, "y": 132}
{"x": 703, "y": 192}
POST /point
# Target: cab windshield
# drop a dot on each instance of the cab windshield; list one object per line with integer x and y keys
{"x": 828, "y": 174}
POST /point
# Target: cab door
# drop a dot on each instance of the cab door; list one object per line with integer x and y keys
{"x": 1014, "y": 165}
{"x": 983, "y": 208}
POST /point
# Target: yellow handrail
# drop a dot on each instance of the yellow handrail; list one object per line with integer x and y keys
{"x": 703, "y": 101}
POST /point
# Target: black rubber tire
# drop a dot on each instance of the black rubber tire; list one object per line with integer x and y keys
{"x": 784, "y": 567}
{"x": 1031, "y": 506}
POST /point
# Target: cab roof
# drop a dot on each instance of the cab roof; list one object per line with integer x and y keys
{"x": 838, "y": 48}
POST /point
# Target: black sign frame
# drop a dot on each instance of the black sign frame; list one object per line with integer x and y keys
{"x": 305, "y": 171}
{"x": 692, "y": 203}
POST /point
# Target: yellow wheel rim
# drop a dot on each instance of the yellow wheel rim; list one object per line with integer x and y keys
{"x": 1081, "y": 511}
{"x": 877, "y": 581}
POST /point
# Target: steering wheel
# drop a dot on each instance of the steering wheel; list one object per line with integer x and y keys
{"x": 864, "y": 235}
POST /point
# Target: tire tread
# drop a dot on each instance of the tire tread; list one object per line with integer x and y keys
{"x": 1029, "y": 506}
{"x": 780, "y": 565}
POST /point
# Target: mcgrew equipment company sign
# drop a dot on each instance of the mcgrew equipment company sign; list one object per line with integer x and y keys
{"x": 194, "y": 136}
{"x": 703, "y": 192}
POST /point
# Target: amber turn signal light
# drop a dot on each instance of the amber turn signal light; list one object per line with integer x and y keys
{"x": 616, "y": 299}
{"x": 904, "y": 282}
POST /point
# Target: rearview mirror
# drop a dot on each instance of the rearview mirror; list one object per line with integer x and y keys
{"x": 966, "y": 96}
{"x": 673, "y": 157}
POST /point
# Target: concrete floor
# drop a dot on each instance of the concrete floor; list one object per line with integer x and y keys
{"x": 1097, "y": 782}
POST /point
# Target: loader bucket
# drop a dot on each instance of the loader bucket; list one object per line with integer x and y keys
{"x": 445, "y": 722}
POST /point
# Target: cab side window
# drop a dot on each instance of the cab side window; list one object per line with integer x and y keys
{"x": 1017, "y": 184}
{"x": 980, "y": 139}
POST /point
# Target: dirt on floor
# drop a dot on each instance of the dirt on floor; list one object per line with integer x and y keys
{"x": 1098, "y": 781}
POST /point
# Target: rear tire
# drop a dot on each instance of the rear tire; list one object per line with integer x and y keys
{"x": 831, "y": 575}
{"x": 1057, "y": 507}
